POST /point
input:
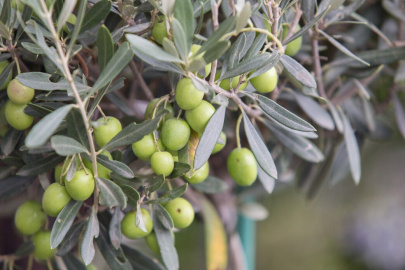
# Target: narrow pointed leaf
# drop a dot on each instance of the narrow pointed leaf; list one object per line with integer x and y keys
{"x": 298, "y": 71}
{"x": 110, "y": 193}
{"x": 105, "y": 46}
{"x": 95, "y": 15}
{"x": 163, "y": 216}
{"x": 71, "y": 238}
{"x": 182, "y": 11}
{"x": 10, "y": 140}
{"x": 44, "y": 129}
{"x": 64, "y": 221}
{"x": 40, "y": 166}
{"x": 13, "y": 186}
{"x": 76, "y": 128}
{"x": 132, "y": 196}
{"x": 171, "y": 194}
{"x": 66, "y": 146}
{"x": 67, "y": 9}
{"x": 211, "y": 185}
{"x": 259, "y": 148}
{"x": 352, "y": 148}
{"x": 87, "y": 250}
{"x": 6, "y": 73}
{"x": 156, "y": 183}
{"x": 133, "y": 132}
{"x": 209, "y": 137}
{"x": 115, "y": 228}
{"x": 281, "y": 115}
{"x": 179, "y": 170}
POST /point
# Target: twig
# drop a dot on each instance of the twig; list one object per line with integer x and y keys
{"x": 317, "y": 65}
{"x": 83, "y": 65}
{"x": 142, "y": 83}
{"x": 79, "y": 101}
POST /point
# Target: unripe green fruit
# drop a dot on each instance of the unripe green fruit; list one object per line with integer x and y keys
{"x": 242, "y": 166}
{"x": 146, "y": 147}
{"x": 106, "y": 130}
{"x": 102, "y": 171}
{"x": 58, "y": 174}
{"x": 54, "y": 199}
{"x": 226, "y": 84}
{"x": 81, "y": 186}
{"x": 181, "y": 211}
{"x": 18, "y": 93}
{"x": 218, "y": 147}
{"x": 72, "y": 20}
{"x": 91, "y": 267}
{"x": 194, "y": 49}
{"x": 265, "y": 82}
{"x": 42, "y": 243}
{"x": 175, "y": 133}
{"x": 198, "y": 117}
{"x": 14, "y": 4}
{"x": 29, "y": 217}
{"x": 162, "y": 163}
{"x": 294, "y": 46}
{"x": 152, "y": 242}
{"x": 16, "y": 116}
{"x": 151, "y": 107}
{"x": 129, "y": 229}
{"x": 199, "y": 175}
{"x": 159, "y": 30}
{"x": 187, "y": 95}
{"x": 3, "y": 65}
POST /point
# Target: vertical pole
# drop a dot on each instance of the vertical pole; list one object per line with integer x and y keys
{"x": 247, "y": 232}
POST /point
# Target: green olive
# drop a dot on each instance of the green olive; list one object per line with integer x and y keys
{"x": 159, "y": 30}
{"x": 194, "y": 49}
{"x": 129, "y": 228}
{"x": 106, "y": 130}
{"x": 199, "y": 175}
{"x": 16, "y": 116}
{"x": 181, "y": 211}
{"x": 58, "y": 174}
{"x": 175, "y": 133}
{"x": 294, "y": 46}
{"x": 42, "y": 243}
{"x": 226, "y": 84}
{"x": 18, "y": 93}
{"x": 162, "y": 163}
{"x": 102, "y": 171}
{"x": 152, "y": 242}
{"x": 198, "y": 117}
{"x": 3, "y": 65}
{"x": 91, "y": 267}
{"x": 54, "y": 199}
{"x": 242, "y": 166}
{"x": 152, "y": 105}
{"x": 81, "y": 186}
{"x": 29, "y": 217}
{"x": 146, "y": 147}
{"x": 187, "y": 95}
{"x": 218, "y": 147}
{"x": 265, "y": 82}
{"x": 72, "y": 20}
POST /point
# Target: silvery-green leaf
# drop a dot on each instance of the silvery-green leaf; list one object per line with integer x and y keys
{"x": 297, "y": 71}
{"x": 110, "y": 193}
{"x": 66, "y": 146}
{"x": 87, "y": 250}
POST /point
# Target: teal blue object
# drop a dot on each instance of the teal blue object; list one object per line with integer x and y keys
{"x": 247, "y": 233}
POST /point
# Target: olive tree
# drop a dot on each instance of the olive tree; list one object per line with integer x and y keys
{"x": 136, "y": 118}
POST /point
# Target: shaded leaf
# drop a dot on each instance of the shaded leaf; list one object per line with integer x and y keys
{"x": 64, "y": 221}
{"x": 73, "y": 263}
{"x": 10, "y": 140}
{"x": 67, "y": 9}
{"x": 87, "y": 250}
{"x": 267, "y": 181}
{"x": 133, "y": 132}
{"x": 179, "y": 170}
{"x": 14, "y": 185}
{"x": 132, "y": 196}
{"x": 95, "y": 15}
{"x": 140, "y": 261}
{"x": 110, "y": 193}
{"x": 24, "y": 249}
{"x": 182, "y": 11}
{"x": 76, "y": 128}
{"x": 105, "y": 46}
{"x": 211, "y": 185}
{"x": 115, "y": 228}
{"x": 156, "y": 183}
{"x": 71, "y": 238}
{"x": 40, "y": 166}
{"x": 5, "y": 74}
{"x": 171, "y": 194}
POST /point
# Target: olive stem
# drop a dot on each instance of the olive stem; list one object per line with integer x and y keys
{"x": 164, "y": 98}
{"x": 82, "y": 106}
{"x": 30, "y": 261}
{"x": 102, "y": 113}
{"x": 169, "y": 185}
{"x": 82, "y": 164}
{"x": 180, "y": 111}
{"x": 49, "y": 264}
{"x": 238, "y": 128}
